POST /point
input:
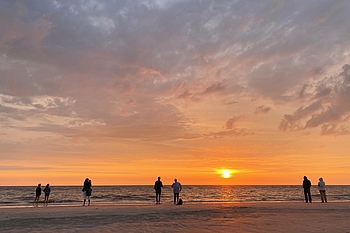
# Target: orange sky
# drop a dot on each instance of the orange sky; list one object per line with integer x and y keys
{"x": 123, "y": 93}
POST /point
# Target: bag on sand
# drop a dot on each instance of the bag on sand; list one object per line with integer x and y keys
{"x": 180, "y": 202}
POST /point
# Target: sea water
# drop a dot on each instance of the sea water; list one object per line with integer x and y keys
{"x": 16, "y": 196}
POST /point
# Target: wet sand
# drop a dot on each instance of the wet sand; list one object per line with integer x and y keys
{"x": 234, "y": 217}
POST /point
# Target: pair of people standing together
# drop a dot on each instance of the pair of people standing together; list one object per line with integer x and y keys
{"x": 47, "y": 191}
{"x": 321, "y": 187}
{"x": 177, "y": 187}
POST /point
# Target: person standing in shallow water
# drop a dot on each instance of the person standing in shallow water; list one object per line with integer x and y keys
{"x": 307, "y": 187}
{"x": 87, "y": 190}
{"x": 158, "y": 185}
{"x": 177, "y": 189}
{"x": 47, "y": 191}
{"x": 37, "y": 194}
{"x": 322, "y": 189}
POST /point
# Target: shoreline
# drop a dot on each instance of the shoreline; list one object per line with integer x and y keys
{"x": 94, "y": 204}
{"x": 223, "y": 217}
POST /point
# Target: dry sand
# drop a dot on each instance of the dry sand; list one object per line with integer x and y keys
{"x": 235, "y": 217}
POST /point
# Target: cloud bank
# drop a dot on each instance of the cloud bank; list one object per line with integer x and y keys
{"x": 135, "y": 69}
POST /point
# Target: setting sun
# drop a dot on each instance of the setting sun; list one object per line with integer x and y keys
{"x": 226, "y": 174}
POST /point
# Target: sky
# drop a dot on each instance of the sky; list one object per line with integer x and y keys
{"x": 124, "y": 91}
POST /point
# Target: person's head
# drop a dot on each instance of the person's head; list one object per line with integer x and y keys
{"x": 39, "y": 185}
{"x": 47, "y": 185}
{"x": 158, "y": 177}
{"x": 305, "y": 178}
{"x": 87, "y": 180}
{"x": 175, "y": 180}
{"x": 320, "y": 179}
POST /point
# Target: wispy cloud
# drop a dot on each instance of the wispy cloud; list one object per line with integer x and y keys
{"x": 329, "y": 109}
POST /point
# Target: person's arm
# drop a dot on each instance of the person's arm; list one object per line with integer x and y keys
{"x": 180, "y": 186}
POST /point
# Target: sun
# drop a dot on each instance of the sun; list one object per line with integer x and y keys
{"x": 226, "y": 173}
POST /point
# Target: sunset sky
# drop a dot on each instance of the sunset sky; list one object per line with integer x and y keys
{"x": 124, "y": 91}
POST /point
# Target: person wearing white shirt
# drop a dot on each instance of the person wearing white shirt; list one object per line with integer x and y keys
{"x": 322, "y": 189}
{"x": 177, "y": 189}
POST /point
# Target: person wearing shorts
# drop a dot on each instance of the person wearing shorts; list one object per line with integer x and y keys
{"x": 47, "y": 191}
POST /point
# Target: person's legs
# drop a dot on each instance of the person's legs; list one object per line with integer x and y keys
{"x": 157, "y": 197}
{"x": 84, "y": 198}
{"x": 309, "y": 193}
{"x": 89, "y": 200}
{"x": 176, "y": 198}
{"x": 306, "y": 198}
{"x": 322, "y": 196}
{"x": 46, "y": 200}
{"x": 36, "y": 201}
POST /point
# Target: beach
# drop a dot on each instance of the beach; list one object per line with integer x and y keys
{"x": 227, "y": 217}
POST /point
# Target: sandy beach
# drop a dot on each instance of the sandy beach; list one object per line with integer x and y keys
{"x": 233, "y": 217}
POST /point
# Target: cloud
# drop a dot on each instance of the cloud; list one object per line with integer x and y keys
{"x": 229, "y": 102}
{"x": 262, "y": 109}
{"x": 123, "y": 64}
{"x": 200, "y": 91}
{"x": 231, "y": 130}
{"x": 301, "y": 93}
{"x": 216, "y": 87}
{"x": 334, "y": 129}
{"x": 240, "y": 132}
{"x": 126, "y": 106}
{"x": 330, "y": 109}
{"x": 231, "y": 123}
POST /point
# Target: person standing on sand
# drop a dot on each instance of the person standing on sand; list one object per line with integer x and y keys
{"x": 47, "y": 191}
{"x": 37, "y": 194}
{"x": 87, "y": 190}
{"x": 177, "y": 189}
{"x": 158, "y": 185}
{"x": 322, "y": 189}
{"x": 307, "y": 192}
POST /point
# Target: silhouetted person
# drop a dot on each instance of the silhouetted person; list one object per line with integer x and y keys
{"x": 322, "y": 189}
{"x": 37, "y": 194}
{"x": 47, "y": 191}
{"x": 307, "y": 186}
{"x": 87, "y": 190}
{"x": 177, "y": 189}
{"x": 158, "y": 185}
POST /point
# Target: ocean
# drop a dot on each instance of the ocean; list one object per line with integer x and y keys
{"x": 23, "y": 196}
